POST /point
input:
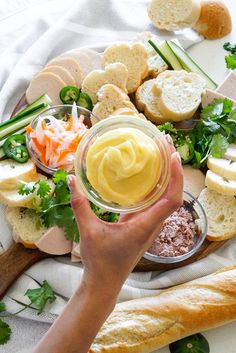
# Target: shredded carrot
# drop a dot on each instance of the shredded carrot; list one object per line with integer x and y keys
{"x": 29, "y": 129}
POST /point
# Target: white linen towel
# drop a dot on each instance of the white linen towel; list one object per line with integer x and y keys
{"x": 28, "y": 40}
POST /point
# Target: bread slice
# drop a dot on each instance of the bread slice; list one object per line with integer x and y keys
{"x": 194, "y": 180}
{"x": 63, "y": 73}
{"x": 133, "y": 56}
{"x": 147, "y": 101}
{"x": 180, "y": 94}
{"x": 12, "y": 173}
{"x": 231, "y": 152}
{"x": 172, "y": 14}
{"x": 70, "y": 64}
{"x": 110, "y": 99}
{"x": 26, "y": 225}
{"x": 45, "y": 82}
{"x": 214, "y": 21}
{"x": 12, "y": 198}
{"x": 116, "y": 74}
{"x": 155, "y": 63}
{"x": 223, "y": 167}
{"x": 221, "y": 214}
{"x": 220, "y": 184}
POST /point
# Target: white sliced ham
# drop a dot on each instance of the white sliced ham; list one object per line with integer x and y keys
{"x": 228, "y": 87}
{"x": 82, "y": 58}
{"x": 54, "y": 242}
{"x": 63, "y": 73}
{"x": 210, "y": 95}
{"x": 45, "y": 82}
{"x": 71, "y": 65}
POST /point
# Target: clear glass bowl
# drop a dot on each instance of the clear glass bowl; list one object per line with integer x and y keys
{"x": 59, "y": 112}
{"x": 111, "y": 124}
{"x": 200, "y": 220}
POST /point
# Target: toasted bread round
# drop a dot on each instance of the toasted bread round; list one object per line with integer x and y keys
{"x": 214, "y": 21}
{"x": 220, "y": 184}
{"x": 221, "y": 214}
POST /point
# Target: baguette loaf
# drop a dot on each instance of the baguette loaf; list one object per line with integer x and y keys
{"x": 144, "y": 325}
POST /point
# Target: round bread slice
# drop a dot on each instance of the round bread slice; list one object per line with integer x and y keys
{"x": 25, "y": 224}
{"x": 63, "y": 73}
{"x": 12, "y": 173}
{"x": 180, "y": 94}
{"x": 214, "y": 21}
{"x": 220, "y": 184}
{"x": 221, "y": 214}
{"x": 45, "y": 82}
{"x": 71, "y": 65}
{"x": 172, "y": 14}
{"x": 148, "y": 102}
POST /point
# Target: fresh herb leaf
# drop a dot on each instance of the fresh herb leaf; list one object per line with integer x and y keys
{"x": 60, "y": 175}
{"x": 230, "y": 59}
{"x": 230, "y": 62}
{"x": 43, "y": 188}
{"x": 230, "y": 47}
{"x": 25, "y": 189}
{"x": 40, "y": 296}
{"x": 5, "y": 332}
{"x": 2, "y": 307}
{"x": 218, "y": 145}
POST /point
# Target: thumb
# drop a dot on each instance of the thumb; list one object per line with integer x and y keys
{"x": 79, "y": 203}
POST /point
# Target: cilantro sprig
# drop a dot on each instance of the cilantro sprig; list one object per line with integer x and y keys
{"x": 230, "y": 59}
{"x": 211, "y": 135}
{"x": 38, "y": 297}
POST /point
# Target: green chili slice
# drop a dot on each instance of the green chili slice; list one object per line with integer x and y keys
{"x": 14, "y": 148}
{"x": 69, "y": 94}
{"x": 85, "y": 101}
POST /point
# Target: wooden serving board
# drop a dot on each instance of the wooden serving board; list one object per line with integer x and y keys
{"x": 18, "y": 259}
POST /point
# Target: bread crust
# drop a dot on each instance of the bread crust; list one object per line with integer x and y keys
{"x": 147, "y": 324}
{"x": 214, "y": 21}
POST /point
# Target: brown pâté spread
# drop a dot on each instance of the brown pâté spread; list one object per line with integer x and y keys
{"x": 177, "y": 235}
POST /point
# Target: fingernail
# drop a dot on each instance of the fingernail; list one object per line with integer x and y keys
{"x": 70, "y": 182}
{"x": 177, "y": 155}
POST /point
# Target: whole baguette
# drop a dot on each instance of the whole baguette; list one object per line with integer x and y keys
{"x": 144, "y": 325}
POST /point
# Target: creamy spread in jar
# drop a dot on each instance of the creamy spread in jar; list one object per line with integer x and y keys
{"x": 177, "y": 235}
{"x": 124, "y": 165}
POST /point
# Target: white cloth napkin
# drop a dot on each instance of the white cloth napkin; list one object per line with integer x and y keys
{"x": 28, "y": 40}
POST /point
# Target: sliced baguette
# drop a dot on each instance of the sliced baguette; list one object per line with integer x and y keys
{"x": 11, "y": 173}
{"x": 71, "y": 65}
{"x": 221, "y": 214}
{"x": 133, "y": 56}
{"x": 128, "y": 112}
{"x": 110, "y": 99}
{"x": 172, "y": 14}
{"x": 12, "y": 198}
{"x": 147, "y": 101}
{"x": 63, "y": 73}
{"x": 26, "y": 225}
{"x": 116, "y": 74}
{"x": 223, "y": 167}
{"x": 180, "y": 94}
{"x": 220, "y": 184}
{"x": 45, "y": 82}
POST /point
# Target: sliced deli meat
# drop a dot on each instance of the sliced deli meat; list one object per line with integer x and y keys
{"x": 87, "y": 59}
{"x": 45, "y": 82}
{"x": 228, "y": 87}
{"x": 194, "y": 180}
{"x": 54, "y": 242}
{"x": 63, "y": 73}
{"x": 210, "y": 95}
{"x": 71, "y": 65}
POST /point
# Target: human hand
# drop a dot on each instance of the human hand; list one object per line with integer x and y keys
{"x": 109, "y": 251}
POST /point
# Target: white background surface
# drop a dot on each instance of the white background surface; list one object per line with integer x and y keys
{"x": 17, "y": 20}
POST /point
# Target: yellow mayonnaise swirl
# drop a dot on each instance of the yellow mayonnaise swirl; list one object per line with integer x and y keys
{"x": 123, "y": 165}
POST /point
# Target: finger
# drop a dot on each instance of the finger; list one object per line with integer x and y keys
{"x": 80, "y": 204}
{"x": 170, "y": 143}
{"x": 167, "y": 204}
